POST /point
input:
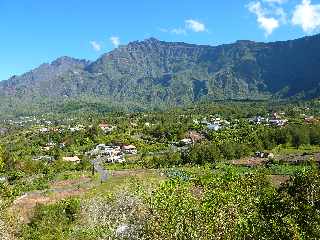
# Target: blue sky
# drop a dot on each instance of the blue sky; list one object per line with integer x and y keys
{"x": 37, "y": 31}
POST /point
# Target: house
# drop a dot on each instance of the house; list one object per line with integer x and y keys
{"x": 43, "y": 130}
{"x": 275, "y": 115}
{"x": 194, "y": 136}
{"x": 278, "y": 122}
{"x": 129, "y": 149}
{"x": 214, "y": 126}
{"x": 204, "y": 122}
{"x": 259, "y": 120}
{"x": 147, "y": 124}
{"x": 116, "y": 159}
{"x": 74, "y": 129}
{"x": 45, "y": 148}
{"x": 51, "y": 144}
{"x": 3, "y": 131}
{"x": 45, "y": 158}
{"x": 2, "y": 179}
{"x": 74, "y": 159}
{"x": 62, "y": 145}
{"x": 264, "y": 155}
{"x": 310, "y": 119}
{"x": 106, "y": 128}
{"x": 104, "y": 150}
{"x": 185, "y": 141}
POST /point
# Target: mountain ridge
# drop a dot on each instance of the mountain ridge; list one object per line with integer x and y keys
{"x": 174, "y": 73}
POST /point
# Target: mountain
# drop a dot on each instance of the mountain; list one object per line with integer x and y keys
{"x": 164, "y": 73}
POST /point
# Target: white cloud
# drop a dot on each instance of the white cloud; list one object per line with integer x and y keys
{"x": 195, "y": 26}
{"x": 268, "y": 24}
{"x": 96, "y": 46}
{"x": 115, "y": 41}
{"x": 179, "y": 31}
{"x": 307, "y": 16}
{"x": 190, "y": 25}
{"x": 282, "y": 15}
{"x": 275, "y": 1}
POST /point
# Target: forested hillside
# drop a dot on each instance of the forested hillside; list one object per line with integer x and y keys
{"x": 153, "y": 72}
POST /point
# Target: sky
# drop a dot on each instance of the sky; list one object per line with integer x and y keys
{"x": 33, "y": 32}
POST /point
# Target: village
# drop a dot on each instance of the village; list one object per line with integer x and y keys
{"x": 117, "y": 152}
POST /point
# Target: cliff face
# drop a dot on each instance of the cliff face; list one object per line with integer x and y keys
{"x": 154, "y": 71}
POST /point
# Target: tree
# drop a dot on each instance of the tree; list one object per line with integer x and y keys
{"x": 300, "y": 136}
{"x": 202, "y": 153}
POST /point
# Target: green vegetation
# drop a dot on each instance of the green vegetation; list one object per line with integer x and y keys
{"x": 213, "y": 185}
{"x": 224, "y": 204}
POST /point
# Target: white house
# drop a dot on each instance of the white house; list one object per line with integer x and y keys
{"x": 129, "y": 149}
{"x": 74, "y": 159}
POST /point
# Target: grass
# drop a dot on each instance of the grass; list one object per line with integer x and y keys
{"x": 286, "y": 169}
{"x": 72, "y": 175}
{"x": 291, "y": 150}
{"x": 126, "y": 180}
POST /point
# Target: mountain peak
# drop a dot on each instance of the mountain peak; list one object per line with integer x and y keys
{"x": 68, "y": 60}
{"x": 151, "y": 39}
{"x": 147, "y": 41}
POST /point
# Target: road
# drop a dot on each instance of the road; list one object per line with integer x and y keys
{"x": 97, "y": 167}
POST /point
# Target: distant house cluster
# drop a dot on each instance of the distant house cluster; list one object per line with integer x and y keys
{"x": 106, "y": 128}
{"x": 112, "y": 153}
{"x": 213, "y": 124}
{"x": 276, "y": 120}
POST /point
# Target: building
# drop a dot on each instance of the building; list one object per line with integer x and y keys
{"x": 264, "y": 155}
{"x": 3, "y": 179}
{"x": 74, "y": 159}
{"x": 44, "y": 158}
{"x": 278, "y": 122}
{"x": 194, "y": 136}
{"x": 43, "y": 130}
{"x": 186, "y": 141}
{"x": 214, "y": 126}
{"x": 129, "y": 149}
{"x": 116, "y": 159}
{"x": 106, "y": 128}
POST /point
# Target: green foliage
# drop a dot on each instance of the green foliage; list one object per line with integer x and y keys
{"x": 167, "y": 159}
{"x": 236, "y": 206}
{"x": 200, "y": 154}
{"x": 52, "y": 221}
{"x": 294, "y": 212}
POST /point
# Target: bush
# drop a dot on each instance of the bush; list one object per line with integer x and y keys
{"x": 201, "y": 154}
{"x": 52, "y": 221}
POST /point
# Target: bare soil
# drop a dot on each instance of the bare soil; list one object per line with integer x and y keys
{"x": 59, "y": 190}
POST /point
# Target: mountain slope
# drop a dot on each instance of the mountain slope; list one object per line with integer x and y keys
{"x": 157, "y": 72}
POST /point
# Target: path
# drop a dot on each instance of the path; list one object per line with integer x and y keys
{"x": 97, "y": 167}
